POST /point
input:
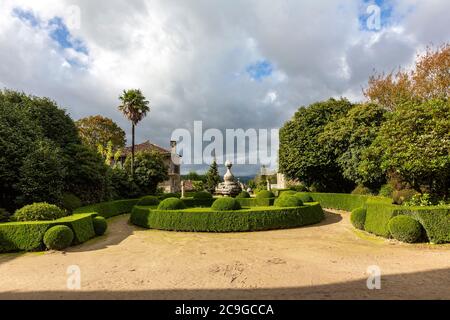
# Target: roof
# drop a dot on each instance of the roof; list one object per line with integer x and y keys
{"x": 146, "y": 146}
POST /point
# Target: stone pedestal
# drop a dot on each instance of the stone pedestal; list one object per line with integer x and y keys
{"x": 229, "y": 188}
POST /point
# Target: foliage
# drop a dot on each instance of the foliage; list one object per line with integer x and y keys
{"x": 208, "y": 220}
{"x": 169, "y": 195}
{"x": 98, "y": 131}
{"x": 149, "y": 171}
{"x": 299, "y": 188}
{"x": 201, "y": 195}
{"x": 386, "y": 190}
{"x": 362, "y": 190}
{"x": 429, "y": 79}
{"x": 123, "y": 186}
{"x": 243, "y": 195}
{"x": 171, "y": 204}
{"x": 358, "y": 218}
{"x": 58, "y": 238}
{"x": 304, "y": 197}
{"x": 194, "y": 176}
{"x": 302, "y": 157}
{"x": 100, "y": 225}
{"x": 198, "y": 186}
{"x": 378, "y": 215}
{"x": 70, "y": 202}
{"x": 39, "y": 212}
{"x": 212, "y": 177}
{"x": 226, "y": 204}
{"x": 288, "y": 201}
{"x": 109, "y": 209}
{"x": 402, "y": 196}
{"x": 265, "y": 194}
{"x": 4, "y": 215}
{"x": 419, "y": 200}
{"x": 148, "y": 201}
{"x": 405, "y": 229}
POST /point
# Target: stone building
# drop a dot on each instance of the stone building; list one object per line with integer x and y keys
{"x": 171, "y": 158}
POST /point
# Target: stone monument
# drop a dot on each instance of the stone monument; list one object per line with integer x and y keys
{"x": 228, "y": 188}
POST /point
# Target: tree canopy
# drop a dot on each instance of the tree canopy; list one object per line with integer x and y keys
{"x": 98, "y": 131}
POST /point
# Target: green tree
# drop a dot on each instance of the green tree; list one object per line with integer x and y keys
{"x": 149, "y": 171}
{"x": 349, "y": 136}
{"x": 303, "y": 157}
{"x": 212, "y": 177}
{"x": 98, "y": 131}
{"x": 134, "y": 107}
{"x": 414, "y": 143}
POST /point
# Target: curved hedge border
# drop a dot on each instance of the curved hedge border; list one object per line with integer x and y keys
{"x": 109, "y": 209}
{"x": 207, "y": 220}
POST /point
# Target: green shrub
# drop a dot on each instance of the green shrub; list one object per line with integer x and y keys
{"x": 386, "y": 191}
{"x": 4, "y": 215}
{"x": 226, "y": 204}
{"x": 378, "y": 215}
{"x": 243, "y": 195}
{"x": 109, "y": 209}
{"x": 39, "y": 212}
{"x": 286, "y": 193}
{"x": 148, "y": 201}
{"x": 58, "y": 238}
{"x": 405, "y": 229}
{"x": 299, "y": 188}
{"x": 264, "y": 194}
{"x": 288, "y": 201}
{"x": 304, "y": 197}
{"x": 171, "y": 204}
{"x": 100, "y": 225}
{"x": 362, "y": 190}
{"x": 419, "y": 200}
{"x": 207, "y": 220}
{"x": 358, "y": 218}
{"x": 169, "y": 195}
{"x": 70, "y": 202}
{"x": 202, "y": 195}
{"x": 401, "y": 196}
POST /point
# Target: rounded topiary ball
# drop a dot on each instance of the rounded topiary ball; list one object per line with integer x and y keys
{"x": 265, "y": 195}
{"x": 288, "y": 202}
{"x": 243, "y": 195}
{"x": 148, "y": 201}
{"x": 100, "y": 225}
{"x": 58, "y": 237}
{"x": 39, "y": 212}
{"x": 358, "y": 218}
{"x": 304, "y": 197}
{"x": 287, "y": 193}
{"x": 172, "y": 204}
{"x": 226, "y": 204}
{"x": 405, "y": 229}
{"x": 202, "y": 195}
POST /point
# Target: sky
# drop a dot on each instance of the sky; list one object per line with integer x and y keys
{"x": 231, "y": 64}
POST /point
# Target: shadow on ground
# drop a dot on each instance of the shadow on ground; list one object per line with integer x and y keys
{"x": 423, "y": 285}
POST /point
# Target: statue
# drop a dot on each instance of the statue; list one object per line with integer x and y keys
{"x": 228, "y": 188}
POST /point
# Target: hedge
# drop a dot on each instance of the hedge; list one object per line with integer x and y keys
{"x": 207, "y": 220}
{"x": 378, "y": 215}
{"x": 109, "y": 209}
{"x": 28, "y": 236}
{"x": 342, "y": 201}
{"x": 256, "y": 202}
{"x": 193, "y": 203}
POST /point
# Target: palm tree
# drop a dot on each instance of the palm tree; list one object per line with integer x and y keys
{"x": 134, "y": 107}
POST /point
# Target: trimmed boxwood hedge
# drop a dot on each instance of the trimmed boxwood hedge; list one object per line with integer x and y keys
{"x": 208, "y": 220}
{"x": 171, "y": 204}
{"x": 226, "y": 204}
{"x": 288, "y": 201}
{"x": 148, "y": 201}
{"x": 405, "y": 229}
{"x": 109, "y": 209}
{"x": 358, "y": 218}
{"x": 342, "y": 201}
{"x": 256, "y": 202}
{"x": 58, "y": 237}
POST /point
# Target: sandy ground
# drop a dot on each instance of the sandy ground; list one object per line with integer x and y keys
{"x": 325, "y": 261}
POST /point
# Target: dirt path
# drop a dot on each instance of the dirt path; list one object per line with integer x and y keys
{"x": 326, "y": 261}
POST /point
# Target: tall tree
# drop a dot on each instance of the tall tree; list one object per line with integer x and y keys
{"x": 212, "y": 177}
{"x": 134, "y": 107}
{"x": 98, "y": 131}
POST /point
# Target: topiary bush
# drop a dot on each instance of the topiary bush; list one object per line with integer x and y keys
{"x": 386, "y": 190}
{"x": 202, "y": 195}
{"x": 70, "y": 202}
{"x": 362, "y": 190}
{"x": 405, "y": 229}
{"x": 358, "y": 218}
{"x": 304, "y": 197}
{"x": 288, "y": 201}
{"x": 226, "y": 204}
{"x": 169, "y": 195}
{"x": 243, "y": 195}
{"x": 58, "y": 237}
{"x": 401, "y": 196}
{"x": 100, "y": 225}
{"x": 39, "y": 212}
{"x": 287, "y": 193}
{"x": 265, "y": 194}
{"x": 4, "y": 215}
{"x": 171, "y": 204}
{"x": 148, "y": 201}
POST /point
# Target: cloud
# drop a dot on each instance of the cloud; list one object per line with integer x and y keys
{"x": 246, "y": 65}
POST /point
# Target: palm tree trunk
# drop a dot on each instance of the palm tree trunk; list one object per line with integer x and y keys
{"x": 132, "y": 150}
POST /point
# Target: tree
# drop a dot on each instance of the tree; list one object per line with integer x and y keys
{"x": 414, "y": 144}
{"x": 430, "y": 79}
{"x": 302, "y": 157}
{"x": 134, "y": 107}
{"x": 149, "y": 170}
{"x": 350, "y": 136}
{"x": 212, "y": 177}
{"x": 98, "y": 131}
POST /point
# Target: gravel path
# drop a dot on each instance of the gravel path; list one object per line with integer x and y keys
{"x": 325, "y": 261}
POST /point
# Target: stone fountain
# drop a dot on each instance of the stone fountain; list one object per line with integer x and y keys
{"x": 228, "y": 188}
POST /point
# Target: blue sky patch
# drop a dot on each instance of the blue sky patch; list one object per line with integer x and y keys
{"x": 260, "y": 70}
{"x": 385, "y": 18}
{"x": 26, "y": 16}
